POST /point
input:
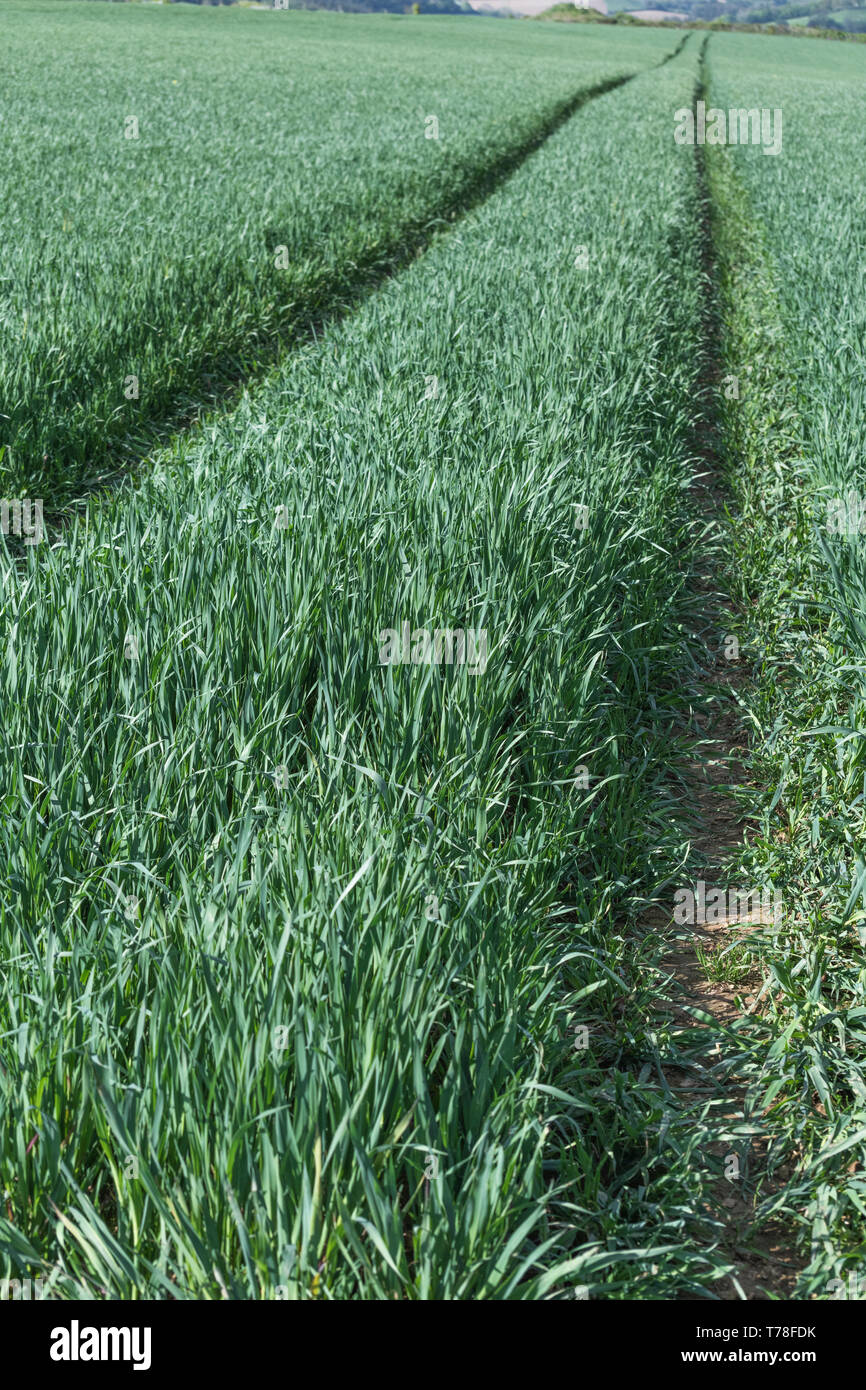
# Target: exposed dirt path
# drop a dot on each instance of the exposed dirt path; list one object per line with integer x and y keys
{"x": 721, "y": 989}
{"x": 763, "y": 1261}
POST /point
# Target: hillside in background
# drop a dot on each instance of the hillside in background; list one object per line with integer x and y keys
{"x": 390, "y": 6}
{"x": 348, "y": 6}
{"x": 825, "y": 14}
{"x": 828, "y": 14}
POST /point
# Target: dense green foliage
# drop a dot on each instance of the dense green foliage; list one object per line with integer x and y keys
{"x": 157, "y": 257}
{"x": 795, "y": 332}
{"x": 325, "y": 977}
{"x": 296, "y": 945}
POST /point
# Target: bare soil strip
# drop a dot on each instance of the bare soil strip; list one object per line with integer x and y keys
{"x": 764, "y": 1262}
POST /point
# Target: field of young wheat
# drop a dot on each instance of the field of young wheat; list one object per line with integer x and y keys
{"x": 361, "y": 615}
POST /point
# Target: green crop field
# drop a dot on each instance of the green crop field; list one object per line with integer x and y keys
{"x": 148, "y": 264}
{"x": 792, "y": 239}
{"x": 427, "y": 556}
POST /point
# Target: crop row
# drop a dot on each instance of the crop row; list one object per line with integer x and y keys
{"x": 791, "y": 235}
{"x": 320, "y": 970}
{"x": 169, "y": 224}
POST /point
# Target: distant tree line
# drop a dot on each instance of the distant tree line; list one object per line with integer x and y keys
{"x": 360, "y": 6}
